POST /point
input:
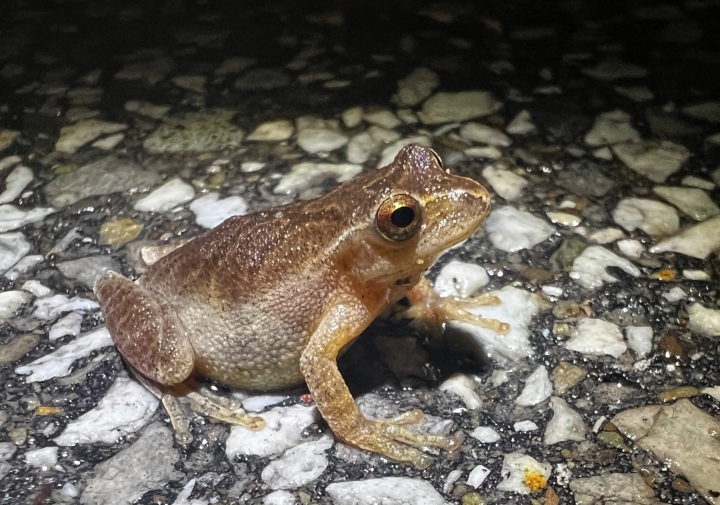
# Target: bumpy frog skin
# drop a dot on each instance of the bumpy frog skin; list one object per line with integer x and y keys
{"x": 268, "y": 300}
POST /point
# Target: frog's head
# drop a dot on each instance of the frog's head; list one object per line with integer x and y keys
{"x": 419, "y": 210}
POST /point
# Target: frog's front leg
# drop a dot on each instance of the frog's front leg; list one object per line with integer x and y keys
{"x": 435, "y": 310}
{"x": 150, "y": 336}
{"x": 342, "y": 323}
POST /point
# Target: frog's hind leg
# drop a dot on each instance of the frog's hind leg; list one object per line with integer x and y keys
{"x": 145, "y": 329}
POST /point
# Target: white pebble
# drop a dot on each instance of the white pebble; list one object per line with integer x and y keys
{"x": 460, "y": 279}
{"x": 703, "y": 320}
{"x": 210, "y": 210}
{"x": 69, "y": 489}
{"x": 566, "y": 424}
{"x": 525, "y": 426}
{"x": 639, "y": 339}
{"x": 611, "y": 128}
{"x": 515, "y": 469}
{"x": 12, "y": 217}
{"x": 631, "y": 248}
{"x": 606, "y": 235}
{"x": 279, "y": 498}
{"x": 10, "y": 301}
{"x": 521, "y": 125}
{"x": 675, "y": 294}
{"x": 42, "y": 458}
{"x": 385, "y": 490}
{"x": 49, "y": 307}
{"x": 597, "y": 337}
{"x": 23, "y": 266}
{"x": 589, "y": 268}
{"x": 383, "y": 118}
{"x": 15, "y": 183}
{"x": 68, "y": 325}
{"x": 485, "y": 434}
{"x": 696, "y": 275}
{"x": 463, "y": 387}
{"x": 315, "y": 140}
{"x": 299, "y": 465}
{"x": 512, "y": 230}
{"x": 650, "y": 216}
{"x": 538, "y": 388}
{"x": 309, "y": 174}
{"x": 261, "y": 402}
{"x": 273, "y": 131}
{"x": 477, "y": 476}
{"x": 483, "y": 134}
{"x": 553, "y": 290}
{"x": 36, "y": 288}
{"x": 13, "y": 246}
{"x": 504, "y": 182}
{"x": 172, "y": 194}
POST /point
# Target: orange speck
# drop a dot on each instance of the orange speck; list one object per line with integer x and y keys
{"x": 43, "y": 410}
{"x": 534, "y": 481}
{"x": 306, "y": 398}
{"x": 666, "y": 274}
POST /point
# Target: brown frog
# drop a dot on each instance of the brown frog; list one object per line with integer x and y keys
{"x": 268, "y": 300}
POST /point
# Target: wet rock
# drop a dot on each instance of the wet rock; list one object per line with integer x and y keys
{"x": 639, "y": 339}
{"x": 523, "y": 474}
{"x": 88, "y": 270}
{"x": 460, "y": 279}
{"x": 153, "y": 68}
{"x": 262, "y": 79}
{"x": 273, "y": 131}
{"x": 589, "y": 182}
{"x": 382, "y": 118}
{"x": 612, "y": 128}
{"x": 703, "y": 320}
{"x": 210, "y": 210}
{"x": 681, "y": 436}
{"x": 12, "y": 217}
{"x": 352, "y": 117}
{"x": 525, "y": 426}
{"x": 74, "y": 136}
{"x": 631, "y": 248}
{"x": 512, "y": 230}
{"x": 698, "y": 241}
{"x": 24, "y": 266}
{"x": 298, "y": 466}
{"x": 694, "y": 202}
{"x": 635, "y": 93}
{"x": 482, "y": 134}
{"x": 390, "y": 490}
{"x": 17, "y": 347}
{"x": 68, "y": 325}
{"x": 477, "y": 476}
{"x": 197, "y": 132}
{"x": 597, "y": 337}
{"x": 173, "y": 193}
{"x": 521, "y": 124}
{"x": 42, "y": 458}
{"x": 589, "y": 268}
{"x": 15, "y": 183}
{"x": 461, "y": 106}
{"x": 566, "y": 424}
{"x": 58, "y": 363}
{"x": 656, "y": 161}
{"x": 102, "y": 177}
{"x": 10, "y": 301}
{"x": 416, "y": 87}
{"x": 504, "y": 182}
{"x": 283, "y": 430}
{"x": 234, "y": 65}
{"x": 612, "y": 488}
{"x": 315, "y": 140}
{"x": 611, "y": 69}
{"x": 146, "y": 465}
{"x": 652, "y": 217}
{"x": 125, "y": 409}
{"x": 48, "y": 308}
{"x": 7, "y": 137}
{"x": 464, "y": 387}
{"x": 707, "y": 111}
{"x": 676, "y": 393}
{"x": 279, "y": 498}
{"x": 565, "y": 376}
{"x": 697, "y": 182}
{"x": 538, "y": 388}
{"x": 308, "y": 174}
{"x": 485, "y": 435}
{"x": 192, "y": 83}
{"x": 13, "y": 247}
{"x": 119, "y": 232}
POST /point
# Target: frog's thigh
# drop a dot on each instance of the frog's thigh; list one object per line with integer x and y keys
{"x": 145, "y": 329}
{"x": 340, "y": 326}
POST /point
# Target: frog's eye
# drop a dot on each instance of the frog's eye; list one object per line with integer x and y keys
{"x": 437, "y": 158}
{"x": 399, "y": 217}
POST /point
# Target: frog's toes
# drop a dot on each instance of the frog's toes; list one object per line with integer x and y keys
{"x": 210, "y": 408}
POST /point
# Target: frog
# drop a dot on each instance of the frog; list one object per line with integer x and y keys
{"x": 269, "y": 300}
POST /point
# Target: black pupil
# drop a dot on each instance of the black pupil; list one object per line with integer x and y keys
{"x": 402, "y": 217}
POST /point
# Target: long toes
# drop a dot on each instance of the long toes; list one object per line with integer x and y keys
{"x": 399, "y": 452}
{"x": 400, "y": 434}
{"x": 411, "y": 417}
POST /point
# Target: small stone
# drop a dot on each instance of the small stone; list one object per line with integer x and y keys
{"x": 696, "y": 275}
{"x": 504, "y": 182}
{"x": 615, "y": 488}
{"x": 512, "y": 230}
{"x": 147, "y": 109}
{"x": 210, "y": 210}
{"x": 352, "y": 117}
{"x": 485, "y": 434}
{"x": 460, "y": 279}
{"x": 234, "y": 65}
{"x": 13, "y": 247}
{"x": 152, "y": 68}
{"x": 525, "y": 426}
{"x": 461, "y": 106}
{"x": 273, "y": 131}
{"x": 611, "y": 69}
{"x": 299, "y": 465}
{"x": 635, "y": 93}
{"x": 488, "y": 152}
{"x": 656, "y": 161}
{"x": 42, "y": 458}
{"x": 612, "y": 128}
{"x": 315, "y": 140}
{"x": 706, "y": 111}
{"x": 482, "y": 134}
{"x": 675, "y": 294}
{"x": 565, "y": 376}
{"x": 69, "y": 325}
{"x": 88, "y": 270}
{"x": 697, "y": 182}
{"x": 15, "y": 183}
{"x": 17, "y": 347}
{"x": 692, "y": 201}
{"x": 521, "y": 124}
{"x": 259, "y": 79}
{"x": 385, "y": 490}
{"x": 639, "y": 339}
{"x": 463, "y": 387}
{"x": 7, "y": 137}
{"x": 698, "y": 241}
{"x": 597, "y": 337}
{"x": 566, "y": 424}
{"x": 383, "y": 118}
{"x": 192, "y": 83}
{"x": 308, "y": 174}
{"x": 523, "y": 474}
{"x": 12, "y": 217}
{"x": 613, "y": 440}
{"x": 196, "y": 132}
{"x": 119, "y": 232}
{"x": 74, "y": 136}
{"x": 703, "y": 320}
{"x": 279, "y": 498}
{"x": 677, "y": 393}
{"x": 652, "y": 217}
{"x": 538, "y": 388}
{"x": 10, "y": 301}
{"x": 172, "y": 194}
{"x": 109, "y": 143}
{"x": 36, "y": 288}
{"x": 589, "y": 269}
{"x": 564, "y": 218}
{"x": 416, "y": 87}
{"x": 631, "y": 248}
{"x": 477, "y": 476}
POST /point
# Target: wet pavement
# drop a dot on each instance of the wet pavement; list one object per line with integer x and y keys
{"x": 596, "y": 127}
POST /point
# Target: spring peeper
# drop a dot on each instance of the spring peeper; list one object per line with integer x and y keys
{"x": 268, "y": 300}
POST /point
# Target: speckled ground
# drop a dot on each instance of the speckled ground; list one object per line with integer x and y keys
{"x": 596, "y": 127}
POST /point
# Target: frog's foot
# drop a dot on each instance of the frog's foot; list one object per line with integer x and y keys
{"x": 432, "y": 309}
{"x": 178, "y": 419}
{"x": 390, "y": 438}
{"x": 206, "y": 406}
